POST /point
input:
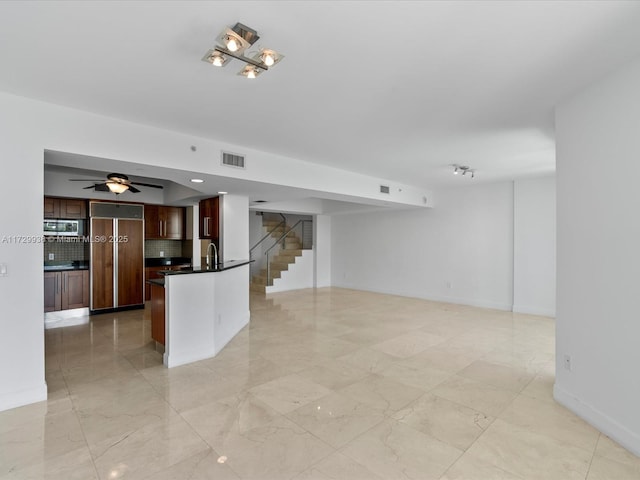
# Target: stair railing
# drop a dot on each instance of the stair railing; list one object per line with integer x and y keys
{"x": 282, "y": 240}
{"x": 283, "y": 223}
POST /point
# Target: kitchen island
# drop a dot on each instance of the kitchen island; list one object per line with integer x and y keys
{"x": 204, "y": 308}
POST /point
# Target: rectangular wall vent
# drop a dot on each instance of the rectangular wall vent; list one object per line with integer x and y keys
{"x": 233, "y": 160}
{"x": 384, "y": 188}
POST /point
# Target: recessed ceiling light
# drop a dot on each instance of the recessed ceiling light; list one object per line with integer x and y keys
{"x": 222, "y": 193}
{"x": 197, "y": 180}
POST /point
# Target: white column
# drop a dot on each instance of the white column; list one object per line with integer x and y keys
{"x": 322, "y": 249}
{"x": 234, "y": 226}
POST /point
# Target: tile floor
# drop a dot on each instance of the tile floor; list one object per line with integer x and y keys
{"x": 326, "y": 384}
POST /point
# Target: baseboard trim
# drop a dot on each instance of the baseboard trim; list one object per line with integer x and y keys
{"x": 20, "y": 398}
{"x": 599, "y": 420}
{"x": 543, "y": 312}
{"x": 434, "y": 298}
{"x": 176, "y": 360}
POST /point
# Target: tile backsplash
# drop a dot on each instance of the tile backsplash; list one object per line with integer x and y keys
{"x": 67, "y": 249}
{"x": 171, "y": 248}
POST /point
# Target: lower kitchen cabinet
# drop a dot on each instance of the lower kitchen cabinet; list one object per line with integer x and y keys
{"x": 66, "y": 290}
{"x": 151, "y": 273}
{"x": 157, "y": 313}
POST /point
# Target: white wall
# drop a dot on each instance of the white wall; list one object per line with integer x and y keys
{"x": 461, "y": 251}
{"x": 21, "y": 291}
{"x": 28, "y": 128}
{"x": 235, "y": 227}
{"x": 534, "y": 246}
{"x": 598, "y": 311}
{"x": 322, "y": 241}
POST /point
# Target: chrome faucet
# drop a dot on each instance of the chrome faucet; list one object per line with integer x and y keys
{"x": 215, "y": 255}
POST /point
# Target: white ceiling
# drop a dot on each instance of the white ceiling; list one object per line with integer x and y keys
{"x": 398, "y": 90}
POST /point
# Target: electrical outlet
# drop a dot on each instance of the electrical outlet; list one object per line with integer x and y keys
{"x": 52, "y": 256}
{"x": 449, "y": 285}
{"x": 162, "y": 253}
{"x": 3, "y": 270}
{"x": 567, "y": 362}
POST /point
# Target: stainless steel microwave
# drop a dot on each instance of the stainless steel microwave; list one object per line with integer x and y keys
{"x": 66, "y": 228}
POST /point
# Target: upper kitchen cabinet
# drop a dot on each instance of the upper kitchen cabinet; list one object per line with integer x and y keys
{"x": 74, "y": 208}
{"x": 164, "y": 223}
{"x": 209, "y": 218}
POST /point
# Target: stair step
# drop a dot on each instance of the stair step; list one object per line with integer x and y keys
{"x": 291, "y": 251}
{"x": 279, "y": 266}
{"x": 258, "y": 288}
{"x": 285, "y": 256}
{"x": 275, "y": 273}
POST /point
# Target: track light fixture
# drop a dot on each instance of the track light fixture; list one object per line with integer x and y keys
{"x": 233, "y": 42}
{"x": 464, "y": 169}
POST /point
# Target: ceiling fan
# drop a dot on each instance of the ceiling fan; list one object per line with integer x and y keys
{"x": 116, "y": 183}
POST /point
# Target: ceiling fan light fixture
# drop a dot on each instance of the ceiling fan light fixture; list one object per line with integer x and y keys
{"x": 116, "y": 187}
{"x": 116, "y": 183}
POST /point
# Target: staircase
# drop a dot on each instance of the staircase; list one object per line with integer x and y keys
{"x": 280, "y": 262}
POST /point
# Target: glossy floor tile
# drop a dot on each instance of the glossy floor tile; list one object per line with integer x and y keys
{"x": 323, "y": 384}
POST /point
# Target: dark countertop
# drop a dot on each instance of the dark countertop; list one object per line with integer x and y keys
{"x": 221, "y": 267}
{"x": 62, "y": 266}
{"x": 157, "y": 281}
{"x": 166, "y": 261}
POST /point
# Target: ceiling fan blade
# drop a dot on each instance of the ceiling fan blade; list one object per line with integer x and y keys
{"x": 101, "y": 187}
{"x": 83, "y": 180}
{"x": 133, "y": 189}
{"x": 146, "y": 185}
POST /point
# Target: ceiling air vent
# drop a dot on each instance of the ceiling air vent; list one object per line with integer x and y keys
{"x": 233, "y": 160}
{"x": 384, "y": 188}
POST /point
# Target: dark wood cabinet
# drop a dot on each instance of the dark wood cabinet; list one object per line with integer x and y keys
{"x": 157, "y": 313}
{"x": 164, "y": 223}
{"x": 102, "y": 263}
{"x": 65, "y": 208}
{"x": 130, "y": 262}
{"x": 209, "y": 218}
{"x": 152, "y": 273}
{"x": 52, "y": 291}
{"x": 73, "y": 208}
{"x": 117, "y": 271}
{"x": 51, "y": 207}
{"x": 75, "y": 289}
{"x": 66, "y": 290}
